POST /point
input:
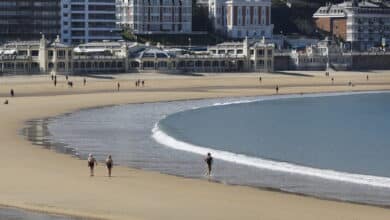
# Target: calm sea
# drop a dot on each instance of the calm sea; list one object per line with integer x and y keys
{"x": 335, "y": 146}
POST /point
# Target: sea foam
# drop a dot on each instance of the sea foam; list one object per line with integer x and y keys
{"x": 376, "y": 181}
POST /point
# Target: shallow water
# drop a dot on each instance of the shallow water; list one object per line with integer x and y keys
{"x": 126, "y": 132}
{"x": 17, "y": 214}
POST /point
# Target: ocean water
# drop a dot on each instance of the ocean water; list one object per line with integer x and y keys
{"x": 332, "y": 146}
{"x": 17, "y": 214}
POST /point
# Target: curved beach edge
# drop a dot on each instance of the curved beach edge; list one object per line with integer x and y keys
{"x": 56, "y": 183}
{"x": 160, "y": 136}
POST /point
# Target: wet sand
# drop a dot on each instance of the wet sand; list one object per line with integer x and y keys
{"x": 42, "y": 180}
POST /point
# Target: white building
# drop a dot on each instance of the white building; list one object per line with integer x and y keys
{"x": 362, "y": 24}
{"x": 85, "y": 21}
{"x": 156, "y": 16}
{"x": 242, "y": 18}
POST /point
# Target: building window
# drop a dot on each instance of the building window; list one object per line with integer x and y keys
{"x": 61, "y": 53}
{"x": 35, "y": 53}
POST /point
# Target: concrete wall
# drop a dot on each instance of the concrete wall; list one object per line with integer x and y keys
{"x": 282, "y": 63}
{"x": 371, "y": 62}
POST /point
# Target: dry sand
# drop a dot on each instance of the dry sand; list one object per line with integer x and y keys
{"x": 38, "y": 179}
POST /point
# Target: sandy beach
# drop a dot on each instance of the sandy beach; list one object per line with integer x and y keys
{"x": 42, "y": 180}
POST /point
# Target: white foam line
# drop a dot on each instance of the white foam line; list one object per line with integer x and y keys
{"x": 170, "y": 142}
{"x": 166, "y": 140}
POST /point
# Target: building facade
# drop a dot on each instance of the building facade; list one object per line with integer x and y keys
{"x": 84, "y": 21}
{"x": 122, "y": 57}
{"x": 363, "y": 24}
{"x": 242, "y": 18}
{"x": 41, "y": 56}
{"x": 26, "y": 19}
{"x": 156, "y": 16}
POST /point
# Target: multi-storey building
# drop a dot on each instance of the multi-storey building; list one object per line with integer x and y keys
{"x": 362, "y": 24}
{"x": 27, "y": 19}
{"x": 156, "y": 16}
{"x": 242, "y": 18}
{"x": 85, "y": 21}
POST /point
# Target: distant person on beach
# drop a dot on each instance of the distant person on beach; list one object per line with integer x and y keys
{"x": 55, "y": 81}
{"x": 12, "y": 93}
{"x": 109, "y": 164}
{"x": 66, "y": 77}
{"x": 143, "y": 83}
{"x": 52, "y": 77}
{"x": 209, "y": 162}
{"x": 332, "y": 80}
{"x": 367, "y": 77}
{"x": 118, "y": 85}
{"x": 6, "y": 102}
{"x": 91, "y": 164}
{"x": 277, "y": 89}
{"x": 260, "y": 79}
{"x": 85, "y": 81}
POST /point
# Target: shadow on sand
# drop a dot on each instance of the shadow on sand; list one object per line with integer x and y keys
{"x": 292, "y": 74}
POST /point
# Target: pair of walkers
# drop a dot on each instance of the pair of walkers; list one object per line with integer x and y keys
{"x": 92, "y": 162}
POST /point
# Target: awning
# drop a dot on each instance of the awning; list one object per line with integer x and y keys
{"x": 9, "y": 52}
{"x": 89, "y": 50}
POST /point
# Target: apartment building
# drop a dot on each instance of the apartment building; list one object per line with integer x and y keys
{"x": 156, "y": 16}
{"x": 27, "y": 19}
{"x": 242, "y": 18}
{"x": 84, "y": 21}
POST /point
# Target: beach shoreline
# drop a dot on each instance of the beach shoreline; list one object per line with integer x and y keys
{"x": 66, "y": 202}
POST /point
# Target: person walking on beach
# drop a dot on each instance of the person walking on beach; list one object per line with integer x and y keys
{"x": 12, "y": 93}
{"x": 367, "y": 77}
{"x": 109, "y": 164}
{"x": 118, "y": 85}
{"x": 85, "y": 81}
{"x": 277, "y": 89}
{"x": 91, "y": 164}
{"x": 260, "y": 79}
{"x": 209, "y": 162}
{"x": 66, "y": 77}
